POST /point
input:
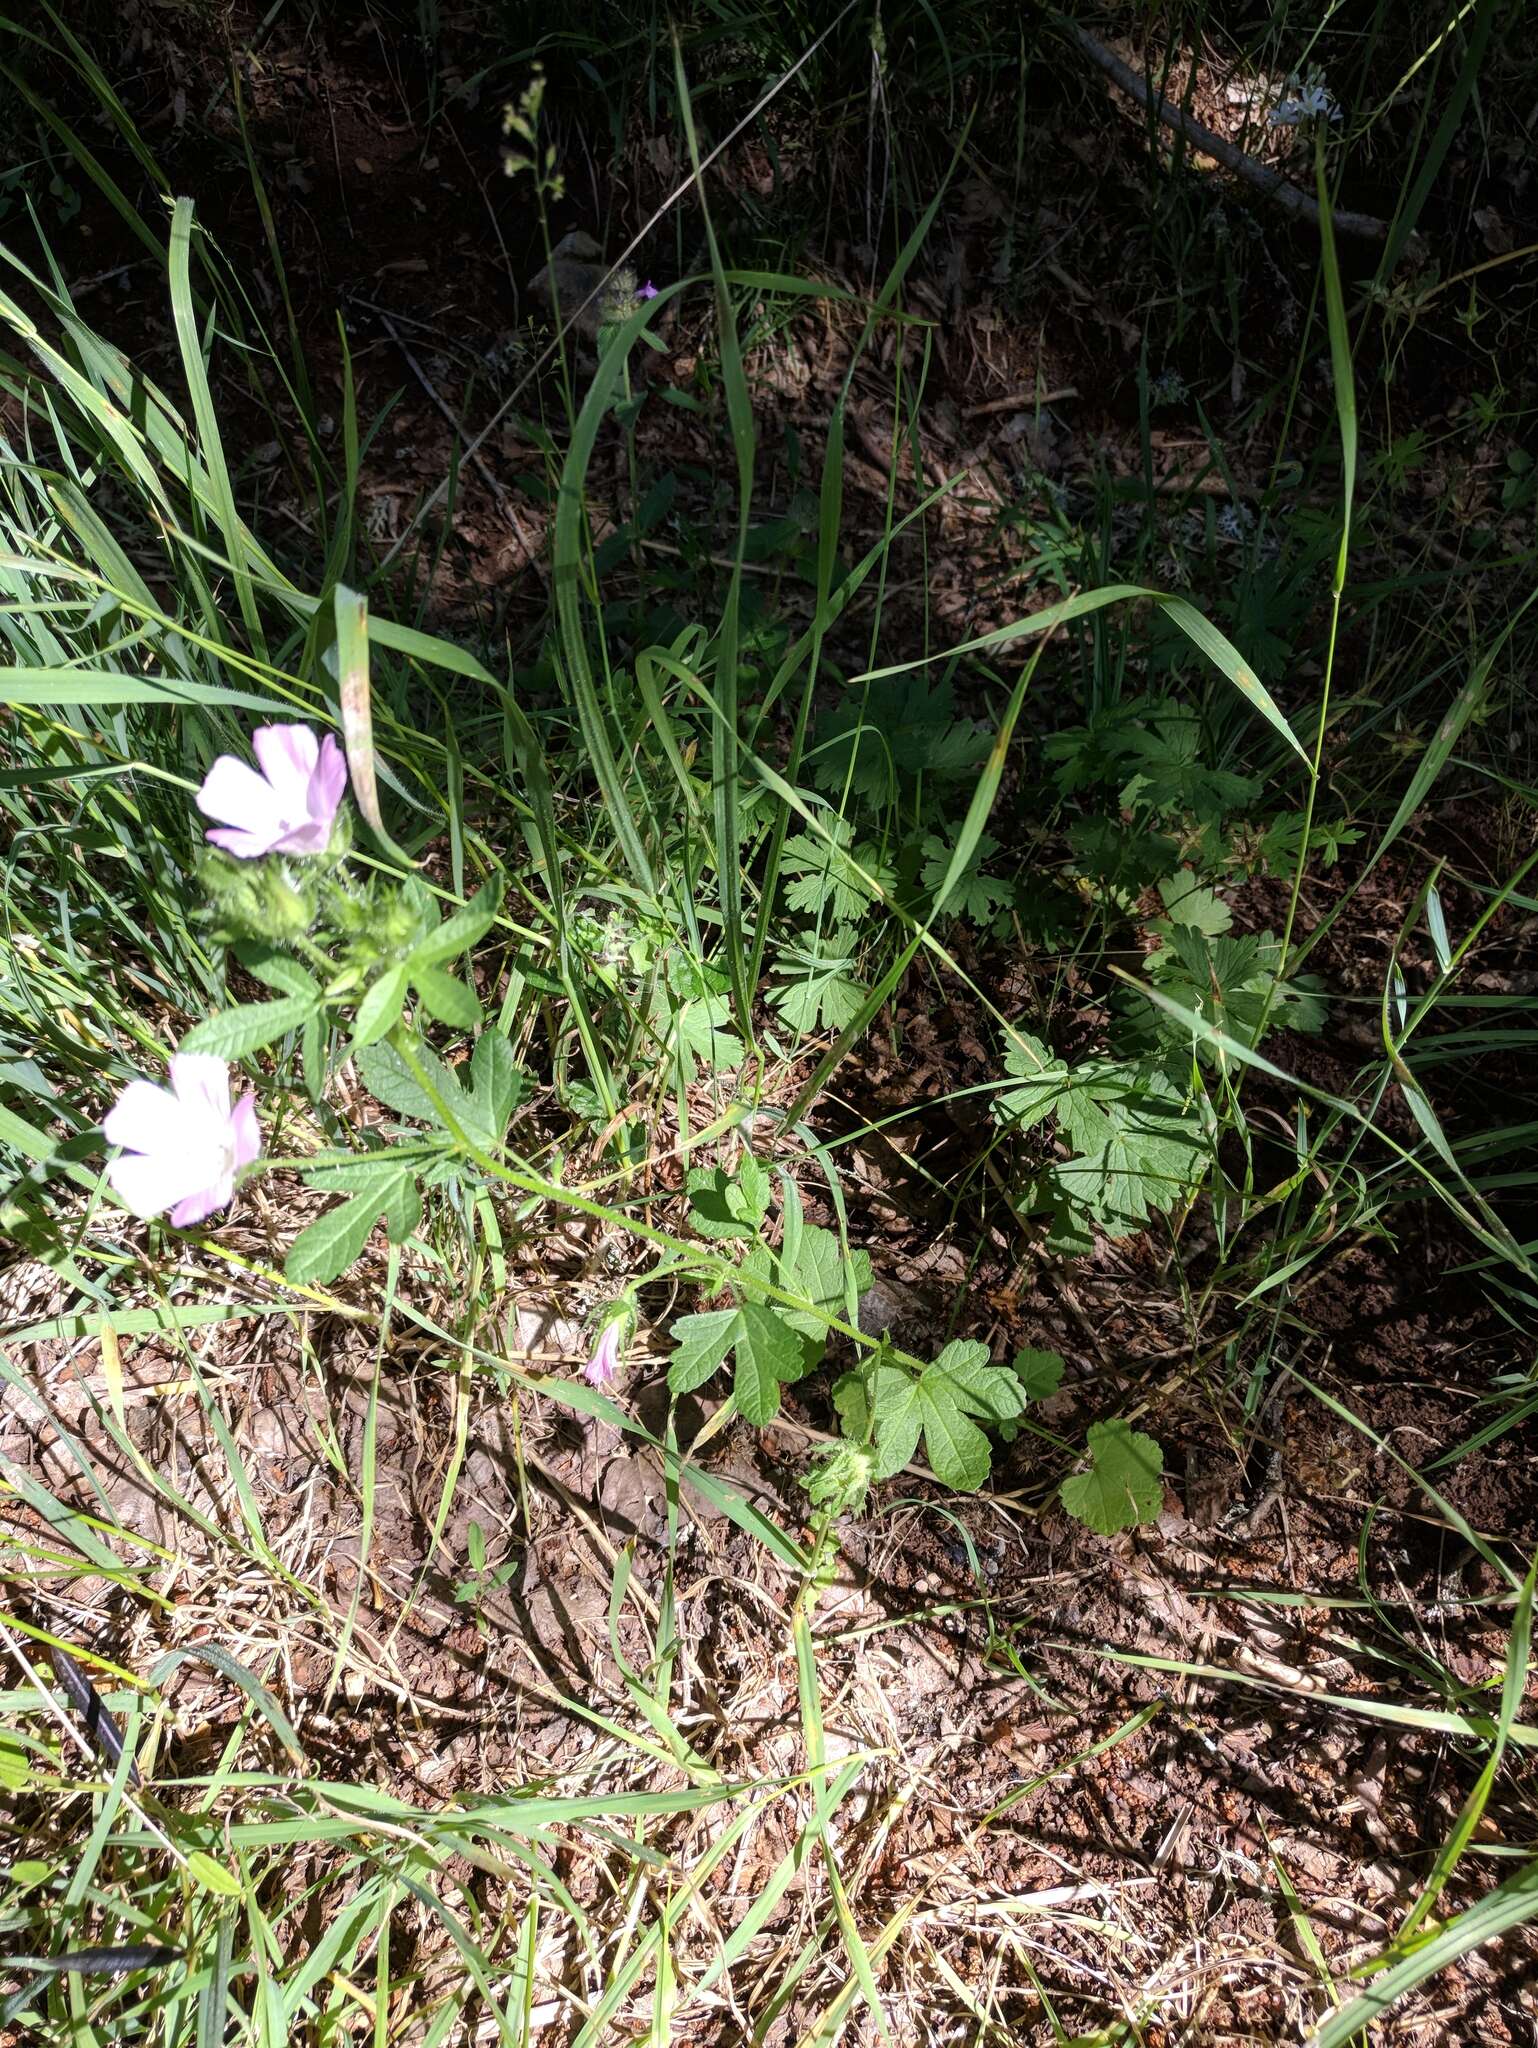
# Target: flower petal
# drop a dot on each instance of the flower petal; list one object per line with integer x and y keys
{"x": 288, "y": 755}
{"x": 604, "y": 1363}
{"x": 248, "y": 1132}
{"x": 310, "y": 835}
{"x": 149, "y": 1183}
{"x": 236, "y": 795}
{"x": 194, "y": 1208}
{"x": 150, "y": 1119}
{"x": 328, "y": 783}
{"x": 244, "y": 845}
{"x": 141, "y": 1117}
{"x": 202, "y": 1085}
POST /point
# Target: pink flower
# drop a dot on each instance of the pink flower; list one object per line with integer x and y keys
{"x": 181, "y": 1144}
{"x": 290, "y": 807}
{"x": 604, "y": 1363}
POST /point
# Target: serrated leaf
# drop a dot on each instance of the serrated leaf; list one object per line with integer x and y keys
{"x": 701, "y": 1030}
{"x": 767, "y": 1353}
{"x": 975, "y": 896}
{"x": 389, "y": 1080}
{"x": 851, "y": 1399}
{"x": 956, "y": 1448}
{"x": 457, "y": 934}
{"x": 497, "y": 1085}
{"x": 1172, "y": 779}
{"x": 379, "y": 1012}
{"x": 851, "y": 754}
{"x": 334, "y": 1241}
{"x": 756, "y": 1271}
{"x": 894, "y": 1396}
{"x": 1040, "y": 1373}
{"x": 821, "y": 998}
{"x": 901, "y": 727}
{"x": 703, "y": 1342}
{"x": 1229, "y": 982}
{"x": 754, "y": 1186}
{"x": 312, "y": 1054}
{"x": 975, "y": 1383}
{"x": 420, "y": 904}
{"x": 278, "y": 970}
{"x": 1124, "y": 1484}
{"x": 446, "y": 998}
{"x": 1069, "y": 1235}
{"x": 1122, "y": 857}
{"x": 1187, "y": 903}
{"x": 690, "y": 979}
{"x": 1043, "y": 1081}
{"x": 233, "y": 1033}
{"x": 1138, "y": 1146}
{"x": 817, "y": 1274}
{"x": 367, "y": 1174}
{"x": 879, "y": 1408}
{"x": 402, "y": 1208}
{"x": 711, "y": 1209}
{"x": 825, "y": 878}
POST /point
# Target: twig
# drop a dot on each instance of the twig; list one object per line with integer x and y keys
{"x": 1263, "y": 177}
{"x": 1017, "y": 400}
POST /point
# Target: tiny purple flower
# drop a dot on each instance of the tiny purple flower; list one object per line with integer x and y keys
{"x": 604, "y": 1363}
{"x": 647, "y": 290}
{"x": 182, "y": 1144}
{"x": 290, "y": 807}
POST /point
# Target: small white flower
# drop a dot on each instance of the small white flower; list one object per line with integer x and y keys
{"x": 1312, "y": 101}
{"x": 182, "y": 1145}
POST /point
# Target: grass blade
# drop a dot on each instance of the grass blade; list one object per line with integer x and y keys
{"x": 195, "y": 370}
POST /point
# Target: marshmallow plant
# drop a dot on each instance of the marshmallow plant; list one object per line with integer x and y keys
{"x": 355, "y": 963}
{"x": 183, "y": 1146}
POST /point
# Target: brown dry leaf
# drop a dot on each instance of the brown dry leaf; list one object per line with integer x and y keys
{"x": 1497, "y": 235}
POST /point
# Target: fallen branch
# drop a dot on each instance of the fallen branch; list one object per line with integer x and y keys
{"x": 1302, "y": 205}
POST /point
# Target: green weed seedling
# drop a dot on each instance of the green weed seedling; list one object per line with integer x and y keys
{"x": 886, "y": 1405}
{"x": 377, "y": 953}
{"x": 484, "y": 1578}
{"x": 784, "y": 1300}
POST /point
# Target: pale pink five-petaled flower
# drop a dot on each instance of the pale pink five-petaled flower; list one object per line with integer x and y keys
{"x": 290, "y": 807}
{"x": 182, "y": 1144}
{"x": 604, "y": 1363}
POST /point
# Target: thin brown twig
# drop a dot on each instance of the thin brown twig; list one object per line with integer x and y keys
{"x": 1018, "y": 401}
{"x": 1264, "y": 177}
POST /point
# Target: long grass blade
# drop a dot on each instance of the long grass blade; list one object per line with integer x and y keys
{"x": 195, "y": 370}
